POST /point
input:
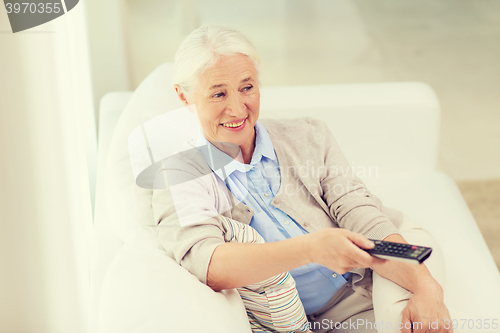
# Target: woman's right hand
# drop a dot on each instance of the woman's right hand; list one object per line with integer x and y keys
{"x": 234, "y": 265}
{"x": 339, "y": 250}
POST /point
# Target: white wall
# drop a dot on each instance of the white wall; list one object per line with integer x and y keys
{"x": 109, "y": 59}
{"x": 452, "y": 45}
{"x": 47, "y": 148}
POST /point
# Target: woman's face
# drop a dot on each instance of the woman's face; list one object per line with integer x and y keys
{"x": 227, "y": 100}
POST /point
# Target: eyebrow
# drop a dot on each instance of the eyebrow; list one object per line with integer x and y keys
{"x": 215, "y": 86}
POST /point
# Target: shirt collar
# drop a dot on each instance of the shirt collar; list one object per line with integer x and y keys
{"x": 263, "y": 144}
{"x": 223, "y": 165}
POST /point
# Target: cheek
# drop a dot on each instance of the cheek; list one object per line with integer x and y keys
{"x": 210, "y": 118}
{"x": 209, "y": 113}
{"x": 254, "y": 103}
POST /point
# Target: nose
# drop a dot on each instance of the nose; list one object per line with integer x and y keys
{"x": 236, "y": 106}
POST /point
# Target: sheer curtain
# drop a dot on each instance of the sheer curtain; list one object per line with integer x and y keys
{"x": 47, "y": 175}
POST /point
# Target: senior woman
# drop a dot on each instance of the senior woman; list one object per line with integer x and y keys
{"x": 287, "y": 179}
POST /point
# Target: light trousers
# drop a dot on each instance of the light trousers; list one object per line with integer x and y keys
{"x": 349, "y": 311}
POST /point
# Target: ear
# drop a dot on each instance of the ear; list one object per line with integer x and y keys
{"x": 181, "y": 95}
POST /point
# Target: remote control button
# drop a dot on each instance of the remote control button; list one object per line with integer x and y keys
{"x": 413, "y": 247}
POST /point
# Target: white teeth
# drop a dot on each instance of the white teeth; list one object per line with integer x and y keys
{"x": 234, "y": 124}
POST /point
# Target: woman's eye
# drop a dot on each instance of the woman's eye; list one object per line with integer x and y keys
{"x": 218, "y": 95}
{"x": 247, "y": 88}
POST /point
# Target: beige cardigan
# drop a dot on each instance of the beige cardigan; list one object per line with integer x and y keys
{"x": 318, "y": 190}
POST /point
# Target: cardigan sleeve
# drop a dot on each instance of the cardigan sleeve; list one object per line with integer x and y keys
{"x": 188, "y": 225}
{"x": 350, "y": 202}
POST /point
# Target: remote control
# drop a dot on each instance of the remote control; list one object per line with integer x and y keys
{"x": 398, "y": 251}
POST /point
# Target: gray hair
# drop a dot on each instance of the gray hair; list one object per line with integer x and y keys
{"x": 203, "y": 48}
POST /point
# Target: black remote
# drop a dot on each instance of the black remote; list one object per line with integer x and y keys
{"x": 398, "y": 251}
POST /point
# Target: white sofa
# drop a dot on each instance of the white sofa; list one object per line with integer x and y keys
{"x": 388, "y": 131}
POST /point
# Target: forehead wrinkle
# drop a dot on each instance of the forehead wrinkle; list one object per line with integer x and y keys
{"x": 217, "y": 86}
{"x": 248, "y": 77}
{"x": 223, "y": 77}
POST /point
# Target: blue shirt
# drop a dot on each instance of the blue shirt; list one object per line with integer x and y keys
{"x": 256, "y": 185}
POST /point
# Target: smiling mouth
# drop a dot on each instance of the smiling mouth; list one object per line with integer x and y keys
{"x": 234, "y": 125}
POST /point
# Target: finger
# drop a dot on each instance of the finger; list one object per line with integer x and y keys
{"x": 360, "y": 257}
{"x": 365, "y": 259}
{"x": 360, "y": 240}
{"x": 418, "y": 326}
{"x": 406, "y": 323}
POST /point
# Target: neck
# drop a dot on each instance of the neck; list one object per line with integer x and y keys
{"x": 243, "y": 153}
{"x": 247, "y": 153}
{"x": 248, "y": 148}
